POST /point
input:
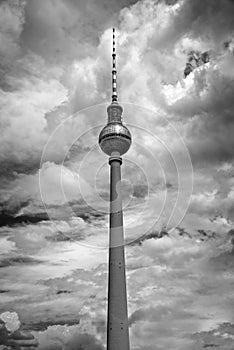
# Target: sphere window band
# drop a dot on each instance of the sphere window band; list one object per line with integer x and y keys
{"x": 114, "y": 136}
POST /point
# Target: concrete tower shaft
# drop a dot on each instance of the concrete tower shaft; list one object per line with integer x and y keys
{"x": 117, "y": 320}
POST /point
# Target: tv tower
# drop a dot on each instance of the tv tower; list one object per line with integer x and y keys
{"x": 115, "y": 140}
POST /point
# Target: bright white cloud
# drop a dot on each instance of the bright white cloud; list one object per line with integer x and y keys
{"x": 11, "y": 320}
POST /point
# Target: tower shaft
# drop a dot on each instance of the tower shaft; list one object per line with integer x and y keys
{"x": 117, "y": 319}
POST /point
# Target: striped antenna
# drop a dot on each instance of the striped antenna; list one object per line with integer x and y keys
{"x": 114, "y": 71}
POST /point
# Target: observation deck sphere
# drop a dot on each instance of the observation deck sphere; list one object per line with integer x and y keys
{"x": 115, "y": 137}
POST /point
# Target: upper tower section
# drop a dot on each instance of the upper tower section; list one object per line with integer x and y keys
{"x": 114, "y": 111}
{"x": 115, "y": 138}
{"x": 114, "y": 70}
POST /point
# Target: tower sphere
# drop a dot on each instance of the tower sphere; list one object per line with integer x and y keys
{"x": 115, "y": 137}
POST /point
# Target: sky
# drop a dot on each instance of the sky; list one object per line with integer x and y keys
{"x": 175, "y": 62}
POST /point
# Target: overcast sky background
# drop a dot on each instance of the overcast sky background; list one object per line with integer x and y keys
{"x": 175, "y": 64}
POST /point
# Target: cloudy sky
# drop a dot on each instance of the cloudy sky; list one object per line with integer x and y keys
{"x": 175, "y": 62}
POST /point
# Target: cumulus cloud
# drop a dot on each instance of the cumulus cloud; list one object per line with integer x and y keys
{"x": 11, "y": 320}
{"x": 23, "y": 120}
{"x": 65, "y": 337}
{"x": 59, "y": 337}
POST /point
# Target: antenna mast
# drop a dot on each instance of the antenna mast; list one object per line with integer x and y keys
{"x": 114, "y": 71}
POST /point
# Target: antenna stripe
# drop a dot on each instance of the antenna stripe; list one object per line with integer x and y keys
{"x": 114, "y": 71}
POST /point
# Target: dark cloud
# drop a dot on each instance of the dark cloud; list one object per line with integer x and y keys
{"x": 7, "y": 219}
{"x": 19, "y": 211}
{"x": 86, "y": 212}
{"x": 171, "y": 2}
{"x": 137, "y": 315}
{"x": 63, "y": 291}
{"x": 62, "y": 237}
{"x": 3, "y": 333}
{"x": 182, "y": 232}
{"x": 218, "y": 338}
{"x": 208, "y": 25}
{"x": 83, "y": 342}
{"x": 12, "y": 206}
{"x": 54, "y": 346}
{"x": 13, "y": 167}
{"x": 17, "y": 335}
{"x": 223, "y": 262}
{"x": 43, "y": 325}
{"x": 210, "y": 107}
{"x": 12, "y": 21}
{"x": 17, "y": 339}
{"x": 140, "y": 191}
{"x": 231, "y": 235}
{"x": 18, "y": 260}
{"x": 201, "y": 234}
{"x": 147, "y": 236}
{"x": 206, "y": 234}
{"x": 196, "y": 59}
{"x": 89, "y": 217}
{"x": 206, "y": 19}
{"x": 68, "y": 29}
{"x": 78, "y": 341}
{"x": 100, "y": 325}
{"x": 159, "y": 313}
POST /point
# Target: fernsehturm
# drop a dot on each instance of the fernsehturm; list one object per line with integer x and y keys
{"x": 115, "y": 140}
